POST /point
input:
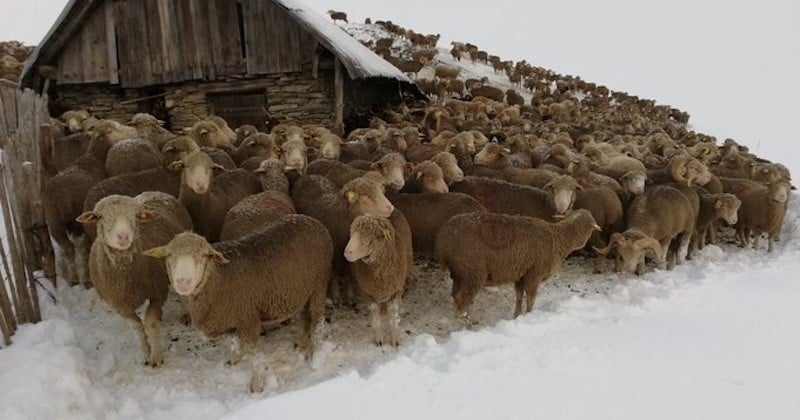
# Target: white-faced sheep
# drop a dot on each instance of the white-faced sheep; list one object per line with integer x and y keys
{"x": 123, "y": 277}
{"x": 234, "y": 286}
{"x": 486, "y": 249}
{"x": 380, "y": 256}
{"x": 207, "y": 196}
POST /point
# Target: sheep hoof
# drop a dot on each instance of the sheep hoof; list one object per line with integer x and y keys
{"x": 157, "y": 362}
{"x": 256, "y": 387}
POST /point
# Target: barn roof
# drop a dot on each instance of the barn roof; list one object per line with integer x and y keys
{"x": 359, "y": 61}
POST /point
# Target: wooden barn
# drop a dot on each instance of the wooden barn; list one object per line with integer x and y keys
{"x": 181, "y": 60}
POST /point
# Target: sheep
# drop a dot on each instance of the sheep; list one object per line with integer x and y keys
{"x": 65, "y": 192}
{"x": 122, "y": 277}
{"x": 234, "y": 286}
{"x": 131, "y": 156}
{"x": 64, "y": 151}
{"x": 260, "y": 209}
{"x": 391, "y": 168}
{"x": 762, "y": 211}
{"x": 151, "y": 129}
{"x": 682, "y": 169}
{"x": 580, "y": 169}
{"x": 294, "y": 156}
{"x": 228, "y": 135}
{"x": 504, "y": 197}
{"x": 207, "y": 133}
{"x": 427, "y": 177}
{"x": 514, "y": 98}
{"x": 485, "y": 249}
{"x": 734, "y": 165}
{"x": 495, "y": 157}
{"x": 606, "y": 209}
{"x": 380, "y": 256}
{"x": 258, "y": 145}
{"x": 427, "y": 213}
{"x": 330, "y": 146}
{"x": 243, "y": 132}
{"x": 336, "y": 208}
{"x": 446, "y": 72}
{"x": 131, "y": 185}
{"x": 616, "y": 166}
{"x": 449, "y": 165}
{"x": 490, "y": 92}
{"x": 713, "y": 207}
{"x": 284, "y": 133}
{"x": 663, "y": 213}
{"x": 335, "y": 15}
{"x": 208, "y": 197}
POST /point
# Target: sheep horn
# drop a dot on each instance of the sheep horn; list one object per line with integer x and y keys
{"x": 678, "y": 169}
{"x": 615, "y": 241}
{"x": 651, "y": 244}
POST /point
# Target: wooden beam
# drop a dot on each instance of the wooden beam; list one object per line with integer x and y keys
{"x": 111, "y": 42}
{"x": 338, "y": 90}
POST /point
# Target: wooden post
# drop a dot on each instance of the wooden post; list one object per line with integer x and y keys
{"x": 338, "y": 90}
{"x": 5, "y": 303}
{"x": 22, "y": 301}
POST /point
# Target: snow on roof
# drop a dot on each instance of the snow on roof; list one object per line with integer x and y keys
{"x": 360, "y": 61}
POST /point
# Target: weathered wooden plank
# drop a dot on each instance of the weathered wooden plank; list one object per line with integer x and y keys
{"x": 172, "y": 50}
{"x": 111, "y": 43}
{"x": 135, "y": 69}
{"x": 94, "y": 51}
{"x": 203, "y": 36}
{"x": 154, "y": 40}
{"x": 193, "y": 68}
{"x": 9, "y": 109}
{"x": 70, "y": 63}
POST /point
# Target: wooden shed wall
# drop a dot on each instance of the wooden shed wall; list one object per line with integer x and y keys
{"x": 137, "y": 43}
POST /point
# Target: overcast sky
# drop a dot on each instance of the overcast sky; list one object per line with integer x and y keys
{"x": 733, "y": 65}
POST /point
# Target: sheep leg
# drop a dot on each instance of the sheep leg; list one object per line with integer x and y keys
{"x": 152, "y": 327}
{"x": 137, "y": 325}
{"x": 756, "y": 241}
{"x": 712, "y": 234}
{"x": 248, "y": 336}
{"x": 464, "y": 293}
{"x": 312, "y": 324}
{"x": 82, "y": 259}
{"x": 234, "y": 350}
{"x": 393, "y": 315}
{"x": 519, "y": 288}
{"x": 530, "y": 294}
{"x": 375, "y": 322}
{"x": 683, "y": 249}
{"x": 770, "y": 241}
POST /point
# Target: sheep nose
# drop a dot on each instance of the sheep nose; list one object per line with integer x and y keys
{"x": 123, "y": 237}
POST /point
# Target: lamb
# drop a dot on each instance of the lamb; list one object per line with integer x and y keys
{"x": 131, "y": 156}
{"x": 208, "y": 197}
{"x": 66, "y": 191}
{"x": 504, "y": 197}
{"x": 713, "y": 207}
{"x": 485, "y": 249}
{"x": 380, "y": 256}
{"x": 450, "y": 169}
{"x": 336, "y": 208}
{"x": 124, "y": 278}
{"x": 427, "y": 213}
{"x": 236, "y": 285}
{"x": 762, "y": 211}
{"x": 663, "y": 213}
{"x": 259, "y": 210}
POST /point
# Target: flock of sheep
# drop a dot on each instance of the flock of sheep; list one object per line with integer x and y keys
{"x": 253, "y": 228}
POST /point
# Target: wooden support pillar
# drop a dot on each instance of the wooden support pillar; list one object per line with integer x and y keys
{"x": 338, "y": 104}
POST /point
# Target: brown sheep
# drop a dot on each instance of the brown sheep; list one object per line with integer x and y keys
{"x": 514, "y": 98}
{"x": 294, "y": 154}
{"x": 426, "y": 178}
{"x": 490, "y": 92}
{"x": 151, "y": 129}
{"x": 131, "y": 156}
{"x": 64, "y": 151}
{"x": 259, "y": 210}
{"x": 682, "y": 169}
{"x": 207, "y": 133}
{"x": 494, "y": 156}
{"x": 427, "y": 213}
{"x": 762, "y": 211}
{"x": 258, "y": 145}
{"x": 234, "y": 286}
{"x": 336, "y": 15}
{"x": 391, "y": 167}
{"x": 713, "y": 207}
{"x": 124, "y": 278}
{"x": 380, "y": 256}
{"x": 504, "y": 197}
{"x": 450, "y": 169}
{"x": 336, "y": 208}
{"x": 485, "y": 249}
{"x": 734, "y": 165}
{"x": 208, "y": 197}
{"x": 446, "y": 72}
{"x": 244, "y": 132}
{"x": 74, "y": 119}
{"x": 606, "y": 209}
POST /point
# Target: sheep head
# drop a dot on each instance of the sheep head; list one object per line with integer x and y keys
{"x": 766, "y": 173}
{"x": 450, "y": 169}
{"x": 633, "y": 182}
{"x": 493, "y": 156}
{"x": 117, "y": 218}
{"x": 392, "y": 169}
{"x": 430, "y": 178}
{"x": 687, "y": 170}
{"x": 632, "y": 246}
{"x": 370, "y": 237}
{"x": 197, "y": 170}
{"x": 726, "y": 207}
{"x": 562, "y": 192}
{"x": 365, "y": 195}
{"x": 188, "y": 256}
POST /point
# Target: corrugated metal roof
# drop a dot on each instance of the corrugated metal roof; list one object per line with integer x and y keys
{"x": 359, "y": 61}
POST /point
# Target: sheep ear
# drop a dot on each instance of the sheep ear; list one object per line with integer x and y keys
{"x": 146, "y": 216}
{"x": 388, "y": 234}
{"x": 351, "y": 196}
{"x": 718, "y": 204}
{"x": 168, "y": 149}
{"x": 217, "y": 257}
{"x": 158, "y": 252}
{"x": 176, "y": 166}
{"x": 218, "y": 167}
{"x": 88, "y": 218}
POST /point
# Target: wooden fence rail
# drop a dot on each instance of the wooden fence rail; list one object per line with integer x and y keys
{"x": 25, "y": 247}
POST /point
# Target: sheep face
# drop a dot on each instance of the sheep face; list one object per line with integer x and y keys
{"x": 631, "y": 247}
{"x": 430, "y": 178}
{"x": 633, "y": 182}
{"x": 244, "y": 132}
{"x": 562, "y": 193}
{"x": 113, "y": 131}
{"x": 261, "y": 145}
{"x": 449, "y": 165}
{"x": 490, "y": 155}
{"x": 178, "y": 148}
{"x": 188, "y": 257}
{"x": 226, "y": 134}
{"x": 294, "y": 156}
{"x": 366, "y": 196}
{"x": 330, "y": 147}
{"x": 392, "y": 168}
{"x": 368, "y": 237}
{"x": 75, "y": 119}
{"x": 117, "y": 218}
{"x": 727, "y": 208}
{"x": 197, "y": 170}
{"x": 766, "y": 173}
{"x": 779, "y": 192}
